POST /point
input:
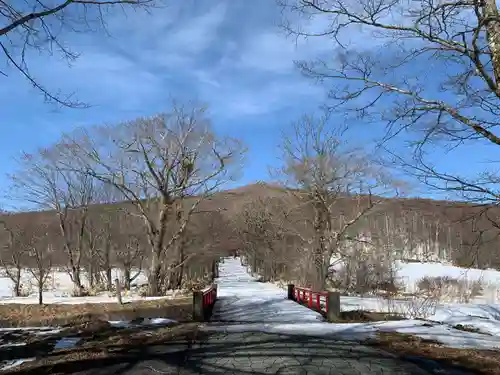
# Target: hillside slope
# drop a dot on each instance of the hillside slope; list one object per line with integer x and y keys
{"x": 418, "y": 229}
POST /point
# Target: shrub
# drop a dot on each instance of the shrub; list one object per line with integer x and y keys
{"x": 435, "y": 286}
{"x": 370, "y": 276}
{"x": 25, "y": 288}
{"x": 461, "y": 290}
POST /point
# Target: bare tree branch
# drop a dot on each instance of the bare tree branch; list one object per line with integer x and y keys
{"x": 37, "y": 25}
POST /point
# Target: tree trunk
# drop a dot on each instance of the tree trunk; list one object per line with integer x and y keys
{"x": 17, "y": 283}
{"x": 493, "y": 35}
{"x": 40, "y": 290}
{"x": 127, "y": 277}
{"x": 180, "y": 268}
{"x": 76, "y": 277}
{"x": 109, "y": 279}
{"x": 91, "y": 275}
{"x": 154, "y": 275}
{"x": 180, "y": 276}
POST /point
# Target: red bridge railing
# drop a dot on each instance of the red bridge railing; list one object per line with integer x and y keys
{"x": 203, "y": 303}
{"x": 312, "y": 299}
{"x": 209, "y": 295}
{"x": 326, "y": 303}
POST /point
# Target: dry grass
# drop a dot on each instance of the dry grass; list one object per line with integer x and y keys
{"x": 486, "y": 362}
{"x": 360, "y": 316}
{"x": 19, "y": 315}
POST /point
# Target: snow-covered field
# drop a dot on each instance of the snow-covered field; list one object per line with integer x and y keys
{"x": 437, "y": 321}
{"x": 411, "y": 273}
{"x": 59, "y": 290}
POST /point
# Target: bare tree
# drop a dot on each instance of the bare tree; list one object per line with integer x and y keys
{"x": 34, "y": 25}
{"x": 42, "y": 181}
{"x": 13, "y": 255}
{"x": 263, "y": 232}
{"x": 155, "y": 162}
{"x": 92, "y": 249}
{"x": 129, "y": 241}
{"x": 130, "y": 260}
{"x": 429, "y": 75}
{"x": 40, "y": 252}
{"x": 334, "y": 187}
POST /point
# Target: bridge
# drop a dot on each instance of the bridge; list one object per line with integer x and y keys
{"x": 256, "y": 330}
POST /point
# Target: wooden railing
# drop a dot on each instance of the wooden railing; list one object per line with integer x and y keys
{"x": 312, "y": 299}
{"x": 326, "y": 303}
{"x": 203, "y": 303}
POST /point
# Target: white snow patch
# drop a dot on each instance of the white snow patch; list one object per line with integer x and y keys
{"x": 60, "y": 288}
{"x": 120, "y": 323}
{"x": 7, "y": 365}
{"x": 146, "y": 322}
{"x": 12, "y": 344}
{"x": 36, "y": 330}
{"x": 158, "y": 321}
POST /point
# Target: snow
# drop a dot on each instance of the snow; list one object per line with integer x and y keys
{"x": 244, "y": 304}
{"x": 147, "y": 322}
{"x": 60, "y": 288}
{"x": 13, "y": 344}
{"x": 50, "y": 298}
{"x": 6, "y": 365}
{"x": 36, "y": 330}
{"x": 411, "y": 273}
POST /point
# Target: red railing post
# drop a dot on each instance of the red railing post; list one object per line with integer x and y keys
{"x": 314, "y": 300}
{"x": 203, "y": 302}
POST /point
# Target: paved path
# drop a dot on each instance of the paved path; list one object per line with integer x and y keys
{"x": 255, "y": 330}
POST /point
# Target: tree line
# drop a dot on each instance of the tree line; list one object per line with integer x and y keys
{"x": 128, "y": 195}
{"x": 144, "y": 195}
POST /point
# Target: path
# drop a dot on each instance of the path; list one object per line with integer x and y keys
{"x": 255, "y": 330}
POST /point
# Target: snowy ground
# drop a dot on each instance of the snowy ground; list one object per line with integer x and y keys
{"x": 263, "y": 307}
{"x": 411, "y": 273}
{"x": 59, "y": 289}
{"x": 244, "y": 304}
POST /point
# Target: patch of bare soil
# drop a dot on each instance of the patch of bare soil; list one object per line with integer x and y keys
{"x": 20, "y": 315}
{"x": 485, "y": 362}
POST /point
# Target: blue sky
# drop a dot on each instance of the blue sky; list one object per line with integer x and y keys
{"x": 228, "y": 54}
{"x": 191, "y": 50}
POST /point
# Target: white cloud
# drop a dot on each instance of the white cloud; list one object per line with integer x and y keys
{"x": 196, "y": 34}
{"x": 173, "y": 37}
{"x": 197, "y": 52}
{"x": 233, "y": 101}
{"x": 272, "y": 51}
